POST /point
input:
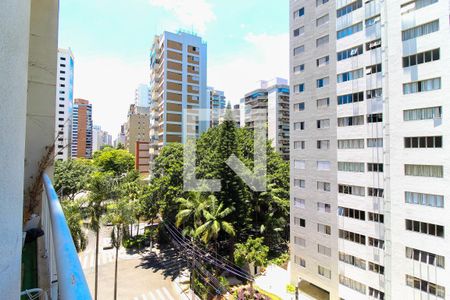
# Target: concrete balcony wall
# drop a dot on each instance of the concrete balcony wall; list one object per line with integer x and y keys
{"x": 14, "y": 34}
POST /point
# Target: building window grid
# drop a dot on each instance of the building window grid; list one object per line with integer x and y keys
{"x": 352, "y": 236}
{"x": 349, "y": 30}
{"x": 424, "y": 228}
{"x": 345, "y": 166}
{"x": 350, "y": 75}
{"x": 435, "y": 171}
{"x": 424, "y": 199}
{"x": 426, "y": 85}
{"x": 425, "y": 257}
{"x": 348, "y": 8}
{"x": 351, "y": 190}
{"x": 425, "y": 286}
{"x": 352, "y": 284}
{"x": 325, "y": 229}
{"x": 421, "y": 58}
{"x": 348, "y": 53}
{"x": 423, "y": 142}
{"x": 350, "y": 98}
{"x": 352, "y": 213}
{"x": 420, "y": 30}
{"x": 322, "y": 271}
{"x": 352, "y": 260}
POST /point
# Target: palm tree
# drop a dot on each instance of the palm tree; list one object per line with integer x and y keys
{"x": 214, "y": 222}
{"x": 191, "y": 211}
{"x": 120, "y": 215}
{"x": 101, "y": 188}
{"x": 74, "y": 217}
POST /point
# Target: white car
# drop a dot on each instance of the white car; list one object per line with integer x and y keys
{"x": 107, "y": 243}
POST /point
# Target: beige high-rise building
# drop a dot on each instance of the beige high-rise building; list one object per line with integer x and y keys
{"x": 177, "y": 85}
{"x": 137, "y": 127}
{"x": 369, "y": 165}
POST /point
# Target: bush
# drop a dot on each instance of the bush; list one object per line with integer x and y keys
{"x": 290, "y": 288}
{"x": 135, "y": 242}
{"x": 281, "y": 260}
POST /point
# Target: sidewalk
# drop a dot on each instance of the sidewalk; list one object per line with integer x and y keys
{"x": 275, "y": 280}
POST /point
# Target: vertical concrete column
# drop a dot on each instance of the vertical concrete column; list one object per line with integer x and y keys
{"x": 14, "y": 37}
{"x": 40, "y": 120}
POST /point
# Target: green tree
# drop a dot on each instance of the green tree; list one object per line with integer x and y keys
{"x": 73, "y": 214}
{"x": 72, "y": 176}
{"x": 214, "y": 222}
{"x": 252, "y": 251}
{"x": 113, "y": 160}
{"x": 102, "y": 187}
{"x": 189, "y": 217}
{"x": 120, "y": 214}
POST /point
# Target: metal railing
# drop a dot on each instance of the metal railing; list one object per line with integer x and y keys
{"x": 71, "y": 281}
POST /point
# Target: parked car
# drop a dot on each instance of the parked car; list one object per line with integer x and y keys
{"x": 107, "y": 243}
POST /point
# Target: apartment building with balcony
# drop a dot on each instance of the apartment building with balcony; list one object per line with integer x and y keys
{"x": 369, "y": 177}
{"x": 273, "y": 96}
{"x": 82, "y": 129}
{"x": 64, "y": 103}
{"x": 217, "y": 104}
{"x": 45, "y": 265}
{"x": 178, "y": 87}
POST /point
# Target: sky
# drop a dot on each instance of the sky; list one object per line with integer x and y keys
{"x": 247, "y": 41}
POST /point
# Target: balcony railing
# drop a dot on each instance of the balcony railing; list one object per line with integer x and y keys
{"x": 72, "y": 284}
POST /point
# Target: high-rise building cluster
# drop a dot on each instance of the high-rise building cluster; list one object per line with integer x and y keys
{"x": 75, "y": 136}
{"x": 368, "y": 160}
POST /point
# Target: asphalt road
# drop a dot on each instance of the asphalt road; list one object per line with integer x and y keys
{"x": 141, "y": 276}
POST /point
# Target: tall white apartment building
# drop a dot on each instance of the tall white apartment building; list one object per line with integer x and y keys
{"x": 64, "y": 103}
{"x": 178, "y": 86}
{"x": 369, "y": 169}
{"x": 273, "y": 96}
{"x": 100, "y": 138}
{"x": 217, "y": 103}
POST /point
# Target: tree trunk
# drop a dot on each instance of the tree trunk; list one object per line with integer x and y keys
{"x": 138, "y": 227}
{"x": 131, "y": 230}
{"x": 115, "y": 273}
{"x": 97, "y": 234}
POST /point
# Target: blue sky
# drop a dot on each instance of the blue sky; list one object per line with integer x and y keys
{"x": 247, "y": 41}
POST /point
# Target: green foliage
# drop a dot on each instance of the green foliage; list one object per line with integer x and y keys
{"x": 264, "y": 214}
{"x": 72, "y": 211}
{"x": 117, "y": 161}
{"x": 214, "y": 221}
{"x": 253, "y": 251}
{"x": 281, "y": 260}
{"x": 120, "y": 214}
{"x": 72, "y": 176}
{"x": 135, "y": 242}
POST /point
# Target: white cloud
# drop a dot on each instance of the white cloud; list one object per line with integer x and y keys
{"x": 265, "y": 57}
{"x": 109, "y": 84}
{"x": 195, "y": 13}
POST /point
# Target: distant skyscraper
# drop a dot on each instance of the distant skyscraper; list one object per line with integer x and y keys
{"x": 121, "y": 137}
{"x": 369, "y": 157}
{"x": 217, "y": 103}
{"x": 142, "y": 96}
{"x": 177, "y": 83}
{"x": 100, "y": 138}
{"x": 64, "y": 103}
{"x": 82, "y": 129}
{"x": 272, "y": 95}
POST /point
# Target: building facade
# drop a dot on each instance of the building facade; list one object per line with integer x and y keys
{"x": 100, "y": 138}
{"x": 217, "y": 104}
{"x": 177, "y": 85}
{"x": 64, "y": 104}
{"x": 273, "y": 96}
{"x": 368, "y": 179}
{"x": 137, "y": 127}
{"x": 82, "y": 129}
{"x": 142, "y": 96}
{"x": 142, "y": 160}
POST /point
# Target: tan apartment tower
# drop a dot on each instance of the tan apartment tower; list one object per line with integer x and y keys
{"x": 137, "y": 127}
{"x": 177, "y": 85}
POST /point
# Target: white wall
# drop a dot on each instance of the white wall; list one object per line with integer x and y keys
{"x": 14, "y": 36}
